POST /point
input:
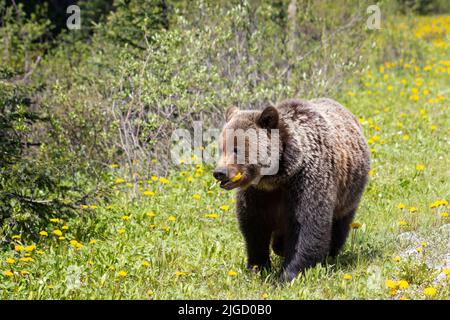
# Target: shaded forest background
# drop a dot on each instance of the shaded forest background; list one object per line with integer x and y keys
{"x": 72, "y": 102}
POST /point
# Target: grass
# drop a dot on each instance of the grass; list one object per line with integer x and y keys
{"x": 181, "y": 240}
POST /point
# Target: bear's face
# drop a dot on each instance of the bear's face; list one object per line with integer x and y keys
{"x": 244, "y": 142}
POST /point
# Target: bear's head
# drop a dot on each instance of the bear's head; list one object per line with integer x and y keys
{"x": 249, "y": 147}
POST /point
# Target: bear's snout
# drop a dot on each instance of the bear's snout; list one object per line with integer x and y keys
{"x": 220, "y": 174}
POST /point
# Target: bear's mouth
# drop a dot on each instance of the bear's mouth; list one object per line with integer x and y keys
{"x": 228, "y": 184}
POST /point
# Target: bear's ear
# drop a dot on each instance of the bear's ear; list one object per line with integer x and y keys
{"x": 268, "y": 118}
{"x": 230, "y": 112}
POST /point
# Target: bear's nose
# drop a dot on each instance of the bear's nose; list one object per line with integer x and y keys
{"x": 220, "y": 174}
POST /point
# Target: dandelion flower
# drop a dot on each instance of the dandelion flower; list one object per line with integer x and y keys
{"x": 26, "y": 259}
{"x": 18, "y": 248}
{"x": 24, "y": 272}
{"x": 121, "y": 231}
{"x": 196, "y": 196}
{"x": 212, "y": 215}
{"x": 401, "y": 206}
{"x": 420, "y": 167}
{"x": 237, "y": 177}
{"x": 348, "y": 277}
{"x": 430, "y": 292}
{"x": 122, "y": 274}
{"x": 16, "y": 237}
{"x": 232, "y": 273}
{"x": 154, "y": 178}
{"x": 264, "y": 296}
{"x": 125, "y": 218}
{"x": 150, "y": 293}
{"x": 150, "y": 214}
{"x": 149, "y": 193}
{"x": 391, "y": 284}
{"x": 180, "y": 273}
{"x": 403, "y": 284}
{"x": 444, "y": 214}
{"x": 355, "y": 225}
{"x": 65, "y": 227}
{"x": 397, "y": 259}
{"x": 54, "y": 220}
{"x": 402, "y": 223}
{"x": 8, "y": 273}
{"x": 30, "y": 248}
{"x": 57, "y": 232}
{"x": 172, "y": 218}
{"x": 225, "y": 207}
{"x": 92, "y": 241}
{"x": 145, "y": 263}
{"x": 412, "y": 209}
{"x": 119, "y": 180}
{"x": 10, "y": 261}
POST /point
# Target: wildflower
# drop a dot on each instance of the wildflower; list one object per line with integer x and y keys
{"x": 149, "y": 193}
{"x": 30, "y": 248}
{"x": 114, "y": 166}
{"x": 355, "y": 225}
{"x": 180, "y": 273}
{"x": 405, "y": 137}
{"x": 371, "y": 173}
{"x": 403, "y": 284}
{"x": 92, "y": 241}
{"x": 93, "y": 206}
{"x": 119, "y": 180}
{"x": 403, "y": 298}
{"x": 122, "y": 274}
{"x": 423, "y": 244}
{"x": 196, "y": 196}
{"x": 264, "y": 296}
{"x": 24, "y": 272}
{"x": 18, "y": 248}
{"x": 225, "y": 207}
{"x": 129, "y": 184}
{"x": 154, "y": 178}
{"x": 391, "y": 284}
{"x": 76, "y": 244}
{"x": 403, "y": 223}
{"x": 125, "y": 218}
{"x": 172, "y": 218}
{"x": 10, "y": 261}
{"x": 212, "y": 215}
{"x": 8, "y": 273}
{"x": 347, "y": 277}
{"x": 232, "y": 273}
{"x": 393, "y": 292}
{"x": 121, "y": 231}
{"x": 150, "y": 214}
{"x": 420, "y": 167}
{"x": 430, "y": 292}
{"x": 43, "y": 233}
{"x": 16, "y": 237}
{"x": 412, "y": 209}
{"x": 65, "y": 227}
{"x": 419, "y": 249}
{"x": 150, "y": 293}
{"x": 444, "y": 214}
{"x": 57, "y": 232}
{"x": 397, "y": 259}
{"x": 40, "y": 252}
{"x": 54, "y": 220}
{"x": 26, "y": 259}
{"x": 237, "y": 177}
{"x": 145, "y": 263}
{"x": 401, "y": 206}
{"x": 163, "y": 180}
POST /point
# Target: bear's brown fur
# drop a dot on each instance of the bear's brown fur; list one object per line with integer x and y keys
{"x": 305, "y": 209}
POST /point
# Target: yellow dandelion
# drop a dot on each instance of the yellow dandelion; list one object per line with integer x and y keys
{"x": 412, "y": 209}
{"x": 122, "y": 274}
{"x": 54, "y": 220}
{"x": 355, "y": 225}
{"x": 150, "y": 214}
{"x": 163, "y": 180}
{"x": 149, "y": 193}
{"x": 232, "y": 273}
{"x": 444, "y": 214}
{"x": 225, "y": 207}
{"x": 40, "y": 251}
{"x": 121, "y": 231}
{"x": 196, "y": 196}
{"x": 26, "y": 259}
{"x": 61, "y": 238}
{"x": 403, "y": 284}
{"x": 402, "y": 223}
{"x": 43, "y": 233}
{"x": 391, "y": 284}
{"x": 57, "y": 232}
{"x": 264, "y": 296}
{"x": 92, "y": 241}
{"x": 145, "y": 263}
{"x": 30, "y": 248}
{"x": 237, "y": 177}
{"x": 125, "y": 218}
{"x": 401, "y": 206}
{"x": 24, "y": 272}
{"x": 10, "y": 261}
{"x": 16, "y": 237}
{"x": 430, "y": 292}
{"x": 18, "y": 248}
{"x": 150, "y": 293}
{"x": 65, "y": 227}
{"x": 212, "y": 215}
{"x": 420, "y": 167}
{"x": 180, "y": 273}
{"x": 172, "y": 218}
{"x": 347, "y": 277}
{"x": 114, "y": 166}
{"x": 119, "y": 180}
{"x": 405, "y": 137}
{"x": 397, "y": 258}
{"x": 8, "y": 273}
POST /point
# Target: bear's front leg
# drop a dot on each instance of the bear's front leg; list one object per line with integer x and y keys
{"x": 310, "y": 209}
{"x": 255, "y": 228}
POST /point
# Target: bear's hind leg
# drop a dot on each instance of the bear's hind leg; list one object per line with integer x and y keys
{"x": 278, "y": 244}
{"x": 341, "y": 228}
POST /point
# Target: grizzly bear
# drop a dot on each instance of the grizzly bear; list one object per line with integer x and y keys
{"x": 305, "y": 209}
